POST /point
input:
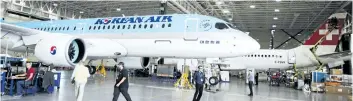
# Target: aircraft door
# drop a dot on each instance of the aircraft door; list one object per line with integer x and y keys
{"x": 81, "y": 28}
{"x": 191, "y": 29}
{"x": 291, "y": 57}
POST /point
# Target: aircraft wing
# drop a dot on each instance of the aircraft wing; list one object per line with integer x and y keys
{"x": 57, "y": 48}
{"x": 18, "y": 30}
{"x": 334, "y": 57}
{"x": 22, "y": 36}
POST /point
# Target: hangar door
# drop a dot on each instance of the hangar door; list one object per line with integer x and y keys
{"x": 191, "y": 29}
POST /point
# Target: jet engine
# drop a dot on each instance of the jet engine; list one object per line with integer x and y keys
{"x": 135, "y": 62}
{"x": 60, "y": 50}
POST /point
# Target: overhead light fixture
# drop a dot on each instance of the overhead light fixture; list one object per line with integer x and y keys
{"x": 275, "y": 18}
{"x": 219, "y": 2}
{"x": 276, "y": 10}
{"x": 55, "y": 4}
{"x": 81, "y": 12}
{"x": 118, "y": 9}
{"x": 225, "y": 11}
{"x": 230, "y": 19}
{"x": 278, "y": 0}
{"x": 274, "y": 26}
{"x": 252, "y": 6}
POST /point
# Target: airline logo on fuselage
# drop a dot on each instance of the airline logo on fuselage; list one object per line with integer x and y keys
{"x": 134, "y": 20}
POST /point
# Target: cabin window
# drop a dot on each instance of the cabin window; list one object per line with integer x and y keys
{"x": 207, "y": 42}
{"x": 251, "y": 55}
{"x": 108, "y": 27}
{"x": 52, "y": 28}
{"x": 63, "y": 28}
{"x": 280, "y": 56}
{"x": 202, "y": 42}
{"x": 128, "y": 27}
{"x": 140, "y": 26}
{"x": 145, "y": 26}
{"x": 169, "y": 25}
{"x": 273, "y": 56}
{"x": 56, "y": 28}
{"x": 60, "y": 28}
{"x": 123, "y": 27}
{"x": 67, "y": 28}
{"x": 163, "y": 25}
{"x": 90, "y": 27}
{"x": 103, "y": 27}
{"x": 118, "y": 27}
{"x": 134, "y": 27}
{"x": 217, "y": 42}
{"x": 212, "y": 42}
{"x": 75, "y": 28}
{"x": 94, "y": 27}
{"x": 113, "y": 27}
{"x": 151, "y": 26}
{"x": 99, "y": 27}
{"x": 221, "y": 26}
{"x": 41, "y": 28}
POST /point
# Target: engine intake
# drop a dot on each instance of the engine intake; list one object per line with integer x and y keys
{"x": 61, "y": 50}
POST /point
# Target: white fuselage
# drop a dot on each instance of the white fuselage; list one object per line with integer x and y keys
{"x": 280, "y": 59}
{"x": 160, "y": 44}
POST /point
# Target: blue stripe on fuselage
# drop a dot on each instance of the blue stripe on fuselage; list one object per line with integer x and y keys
{"x": 153, "y": 23}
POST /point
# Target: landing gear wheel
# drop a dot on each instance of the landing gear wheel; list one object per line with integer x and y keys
{"x": 213, "y": 81}
{"x": 92, "y": 69}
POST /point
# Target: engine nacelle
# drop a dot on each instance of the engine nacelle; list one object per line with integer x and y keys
{"x": 135, "y": 62}
{"x": 61, "y": 50}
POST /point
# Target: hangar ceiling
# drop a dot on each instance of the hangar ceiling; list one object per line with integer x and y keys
{"x": 255, "y": 16}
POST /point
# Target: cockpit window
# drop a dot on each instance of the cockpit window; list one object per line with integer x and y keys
{"x": 221, "y": 26}
{"x": 232, "y": 26}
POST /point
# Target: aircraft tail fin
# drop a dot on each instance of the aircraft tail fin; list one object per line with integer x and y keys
{"x": 330, "y": 42}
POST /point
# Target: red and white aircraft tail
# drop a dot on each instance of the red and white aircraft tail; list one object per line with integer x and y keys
{"x": 330, "y": 42}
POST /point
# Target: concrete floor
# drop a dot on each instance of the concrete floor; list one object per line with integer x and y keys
{"x": 143, "y": 89}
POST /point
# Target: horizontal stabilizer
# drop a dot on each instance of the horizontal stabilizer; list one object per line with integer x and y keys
{"x": 334, "y": 57}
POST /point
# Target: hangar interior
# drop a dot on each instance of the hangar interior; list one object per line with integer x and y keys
{"x": 275, "y": 24}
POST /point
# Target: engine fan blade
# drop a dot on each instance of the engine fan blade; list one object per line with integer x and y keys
{"x": 71, "y": 51}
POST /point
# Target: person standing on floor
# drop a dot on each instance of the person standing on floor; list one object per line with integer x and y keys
{"x": 257, "y": 79}
{"x": 122, "y": 83}
{"x": 79, "y": 78}
{"x": 251, "y": 82}
{"x": 199, "y": 78}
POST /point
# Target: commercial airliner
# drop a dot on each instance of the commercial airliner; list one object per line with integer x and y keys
{"x": 300, "y": 56}
{"x": 66, "y": 42}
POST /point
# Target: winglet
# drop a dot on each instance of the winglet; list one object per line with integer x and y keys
{"x": 333, "y": 37}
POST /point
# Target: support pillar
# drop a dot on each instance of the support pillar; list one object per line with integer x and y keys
{"x": 163, "y": 7}
{"x": 272, "y": 38}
